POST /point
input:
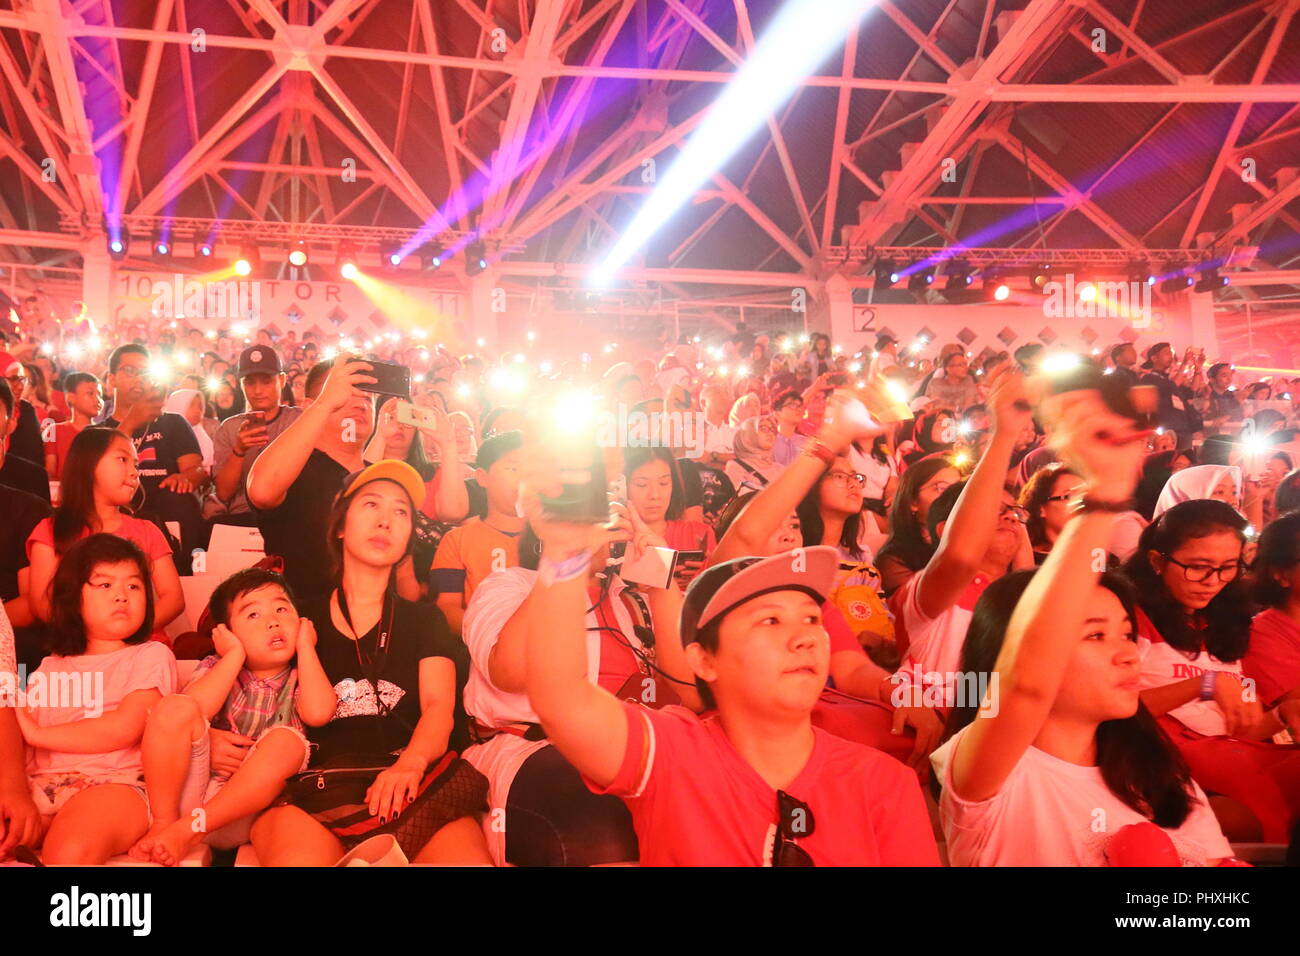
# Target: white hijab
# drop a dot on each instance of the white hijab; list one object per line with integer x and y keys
{"x": 1199, "y": 481}
{"x": 178, "y": 403}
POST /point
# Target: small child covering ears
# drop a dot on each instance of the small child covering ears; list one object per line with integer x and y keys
{"x": 250, "y": 690}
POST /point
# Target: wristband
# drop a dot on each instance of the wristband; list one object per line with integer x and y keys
{"x": 818, "y": 449}
{"x": 1088, "y": 505}
{"x": 552, "y": 572}
{"x": 1208, "y": 680}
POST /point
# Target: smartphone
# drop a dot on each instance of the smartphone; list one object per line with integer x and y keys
{"x": 256, "y": 419}
{"x": 684, "y": 556}
{"x": 583, "y": 498}
{"x": 390, "y": 379}
{"x": 417, "y": 416}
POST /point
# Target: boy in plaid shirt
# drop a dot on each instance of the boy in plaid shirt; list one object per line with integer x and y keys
{"x": 251, "y": 690}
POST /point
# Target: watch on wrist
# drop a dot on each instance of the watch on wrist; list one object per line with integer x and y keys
{"x": 1208, "y": 680}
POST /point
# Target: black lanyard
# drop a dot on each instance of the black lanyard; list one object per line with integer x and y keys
{"x": 381, "y": 647}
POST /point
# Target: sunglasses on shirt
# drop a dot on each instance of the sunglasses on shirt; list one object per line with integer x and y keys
{"x": 794, "y": 819}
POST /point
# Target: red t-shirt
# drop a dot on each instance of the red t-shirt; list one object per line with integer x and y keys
{"x": 64, "y": 432}
{"x": 696, "y": 802}
{"x": 1273, "y": 658}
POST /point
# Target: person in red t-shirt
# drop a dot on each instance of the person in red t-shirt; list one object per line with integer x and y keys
{"x": 754, "y": 783}
{"x": 85, "y": 402}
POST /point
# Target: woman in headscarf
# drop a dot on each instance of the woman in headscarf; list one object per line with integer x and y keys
{"x": 754, "y": 466}
{"x": 1219, "y": 482}
{"x": 190, "y": 405}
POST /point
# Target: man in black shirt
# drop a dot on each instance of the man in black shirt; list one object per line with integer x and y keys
{"x": 1221, "y": 404}
{"x": 17, "y": 472}
{"x": 170, "y": 461}
{"x": 293, "y": 482}
{"x": 26, "y": 440}
{"x": 1175, "y": 411}
{"x": 1125, "y": 357}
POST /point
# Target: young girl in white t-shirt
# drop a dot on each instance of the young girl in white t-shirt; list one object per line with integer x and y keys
{"x": 1059, "y": 764}
{"x": 84, "y": 708}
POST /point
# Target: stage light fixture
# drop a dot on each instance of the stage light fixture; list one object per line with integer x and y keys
{"x": 390, "y": 255}
{"x": 1141, "y": 272}
{"x": 475, "y": 257}
{"x": 1210, "y": 280}
{"x": 920, "y": 280}
{"x": 204, "y": 249}
{"x": 249, "y": 259}
{"x": 298, "y": 254}
{"x": 434, "y": 255}
{"x": 161, "y": 244}
{"x": 347, "y": 261}
{"x": 995, "y": 287}
{"x": 886, "y": 273}
{"x": 117, "y": 246}
{"x": 959, "y": 277}
{"x": 1040, "y": 275}
{"x": 1178, "y": 280}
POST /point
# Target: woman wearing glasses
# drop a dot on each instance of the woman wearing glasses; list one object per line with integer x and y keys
{"x": 1193, "y": 631}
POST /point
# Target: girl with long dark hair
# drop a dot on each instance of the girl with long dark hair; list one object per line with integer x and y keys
{"x": 909, "y": 547}
{"x": 1051, "y": 758}
{"x": 1194, "y": 629}
{"x": 100, "y": 479}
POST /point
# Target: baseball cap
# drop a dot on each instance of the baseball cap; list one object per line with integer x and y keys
{"x": 258, "y": 358}
{"x": 390, "y": 469}
{"x": 497, "y": 447}
{"x": 721, "y": 589}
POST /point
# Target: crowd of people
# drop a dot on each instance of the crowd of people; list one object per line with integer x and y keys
{"x": 888, "y": 604}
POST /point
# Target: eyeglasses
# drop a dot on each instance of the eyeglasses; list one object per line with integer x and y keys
{"x": 132, "y": 371}
{"x": 794, "y": 819}
{"x": 1197, "y": 573}
{"x": 1015, "y": 511}
{"x": 1065, "y": 497}
{"x": 844, "y": 477}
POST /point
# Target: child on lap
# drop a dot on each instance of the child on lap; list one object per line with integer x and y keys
{"x": 249, "y": 687}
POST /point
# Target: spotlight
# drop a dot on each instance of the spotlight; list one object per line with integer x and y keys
{"x": 1140, "y": 272}
{"x": 434, "y": 255}
{"x": 205, "y": 249}
{"x": 347, "y": 261}
{"x": 249, "y": 259}
{"x": 475, "y": 257}
{"x": 1087, "y": 292}
{"x": 995, "y": 288}
{"x": 390, "y": 255}
{"x": 298, "y": 254}
{"x": 117, "y": 246}
{"x": 1040, "y": 275}
{"x": 161, "y": 244}
{"x": 886, "y": 272}
{"x": 1210, "y": 280}
{"x": 959, "y": 277}
{"x": 1178, "y": 281}
{"x": 920, "y": 280}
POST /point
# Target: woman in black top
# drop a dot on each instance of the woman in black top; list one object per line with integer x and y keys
{"x": 396, "y": 671}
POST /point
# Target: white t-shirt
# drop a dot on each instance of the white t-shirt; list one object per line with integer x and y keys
{"x": 934, "y": 644}
{"x": 719, "y": 439}
{"x": 1050, "y": 812}
{"x": 877, "y": 472}
{"x": 1163, "y": 664}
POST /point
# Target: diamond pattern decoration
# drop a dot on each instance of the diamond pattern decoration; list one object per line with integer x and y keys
{"x": 1007, "y": 336}
{"x": 1089, "y": 334}
{"x": 337, "y": 317}
{"x": 926, "y": 333}
{"x": 966, "y": 336}
{"x": 293, "y": 315}
{"x": 1047, "y": 336}
{"x": 1129, "y": 335}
